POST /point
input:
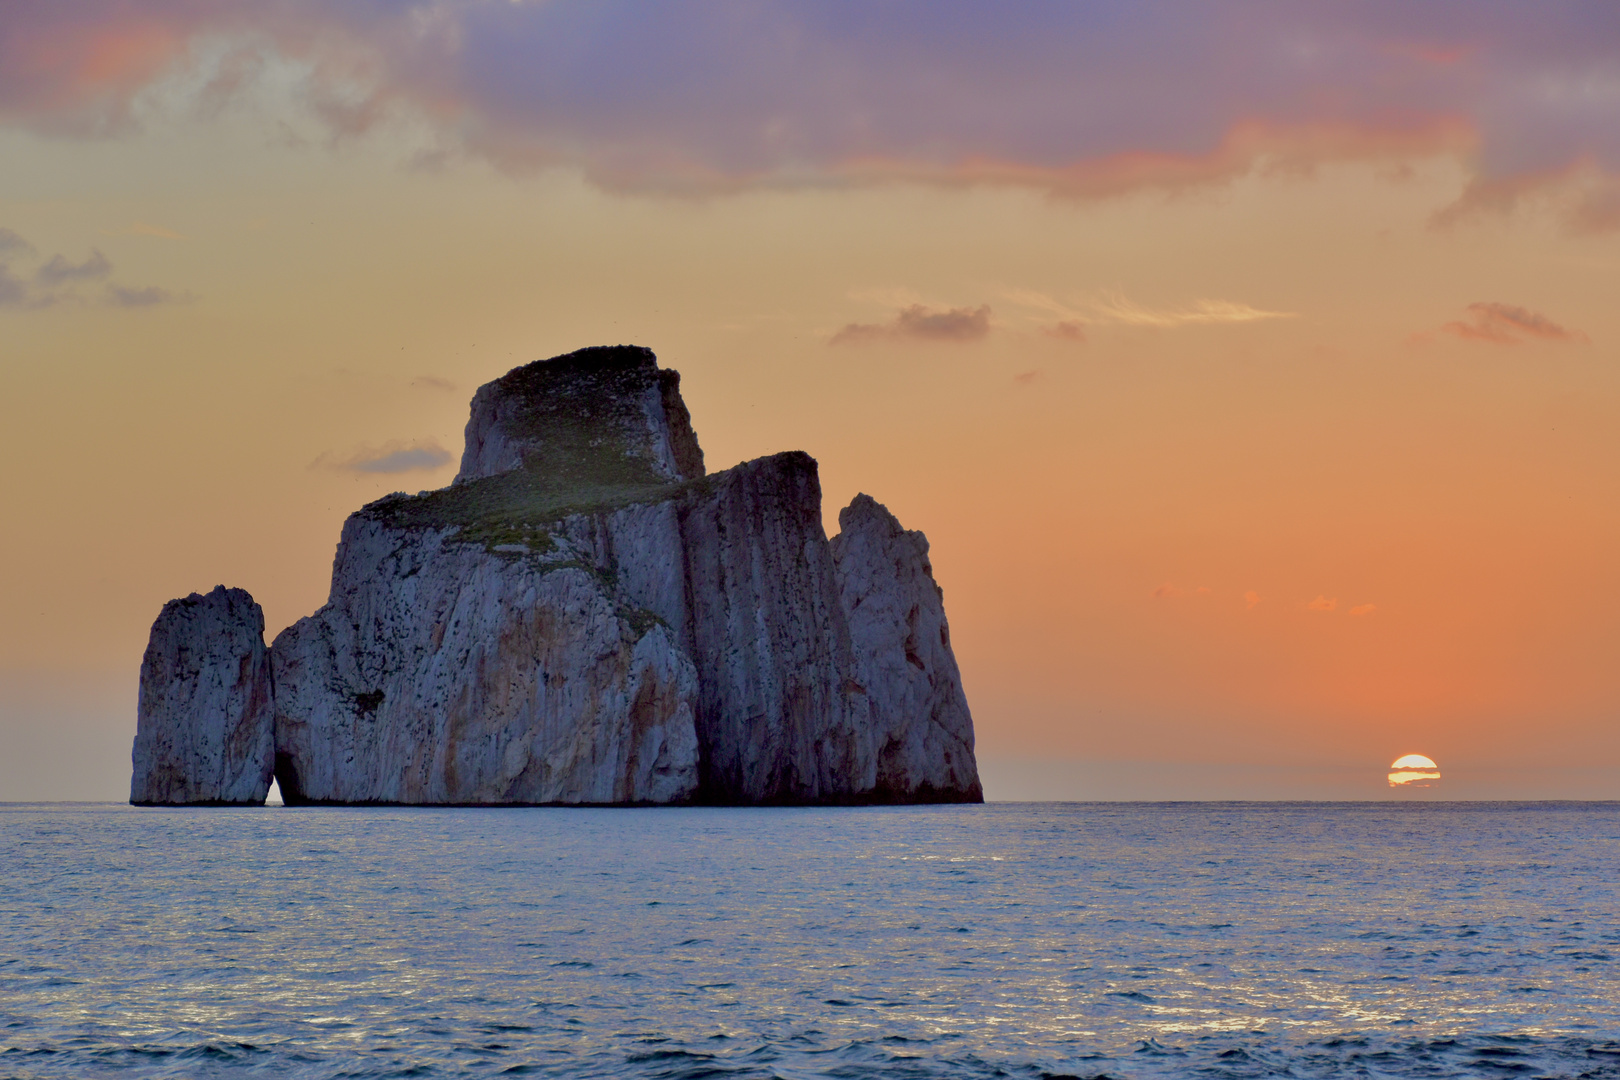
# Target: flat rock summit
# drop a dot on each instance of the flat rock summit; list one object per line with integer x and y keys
{"x": 584, "y": 616}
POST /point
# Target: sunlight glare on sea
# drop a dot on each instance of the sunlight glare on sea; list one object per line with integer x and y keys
{"x": 1024, "y": 940}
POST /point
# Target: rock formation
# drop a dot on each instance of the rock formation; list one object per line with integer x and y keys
{"x": 203, "y": 729}
{"x": 584, "y": 616}
{"x": 917, "y": 714}
{"x": 599, "y": 413}
{"x": 442, "y": 672}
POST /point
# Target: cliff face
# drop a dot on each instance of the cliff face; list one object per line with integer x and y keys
{"x": 738, "y": 567}
{"x": 585, "y": 617}
{"x": 203, "y": 725}
{"x": 440, "y": 672}
{"x": 596, "y": 412}
{"x": 916, "y": 713}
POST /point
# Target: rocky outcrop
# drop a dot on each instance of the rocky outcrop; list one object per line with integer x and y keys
{"x": 203, "y": 730}
{"x": 738, "y": 567}
{"x": 772, "y": 653}
{"x": 601, "y": 411}
{"x": 916, "y": 713}
{"x": 442, "y": 672}
{"x": 584, "y": 616}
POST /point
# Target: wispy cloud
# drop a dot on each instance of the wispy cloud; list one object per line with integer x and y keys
{"x": 1507, "y": 324}
{"x": 1251, "y": 600}
{"x": 58, "y": 270}
{"x": 1114, "y": 307}
{"x": 433, "y": 382}
{"x": 1108, "y": 306}
{"x": 12, "y": 244}
{"x": 141, "y": 228}
{"x": 57, "y": 280}
{"x": 1049, "y": 306}
{"x": 919, "y": 323}
{"x": 140, "y": 297}
{"x": 1322, "y": 603}
{"x": 423, "y": 455}
{"x": 1363, "y": 609}
{"x": 13, "y": 291}
{"x": 1582, "y": 192}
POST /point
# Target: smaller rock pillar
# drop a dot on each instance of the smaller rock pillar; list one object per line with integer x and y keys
{"x": 204, "y": 733}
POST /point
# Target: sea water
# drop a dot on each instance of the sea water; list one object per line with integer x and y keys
{"x": 1011, "y": 940}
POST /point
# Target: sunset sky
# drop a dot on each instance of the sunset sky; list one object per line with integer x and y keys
{"x": 1253, "y": 367}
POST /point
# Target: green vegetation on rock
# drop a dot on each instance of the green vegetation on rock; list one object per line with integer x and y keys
{"x": 587, "y": 449}
{"x": 515, "y": 507}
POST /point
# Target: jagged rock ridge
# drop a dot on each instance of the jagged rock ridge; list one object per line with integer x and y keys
{"x": 584, "y": 616}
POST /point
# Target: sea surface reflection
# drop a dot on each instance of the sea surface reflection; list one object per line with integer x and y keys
{"x": 1005, "y": 940}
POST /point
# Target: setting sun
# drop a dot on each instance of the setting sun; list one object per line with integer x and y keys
{"x": 1413, "y": 770}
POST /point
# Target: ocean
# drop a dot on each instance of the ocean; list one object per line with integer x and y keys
{"x": 1006, "y": 940}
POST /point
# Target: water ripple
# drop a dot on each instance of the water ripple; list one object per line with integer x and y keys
{"x": 1175, "y": 940}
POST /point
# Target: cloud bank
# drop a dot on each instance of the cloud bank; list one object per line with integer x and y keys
{"x": 1079, "y": 100}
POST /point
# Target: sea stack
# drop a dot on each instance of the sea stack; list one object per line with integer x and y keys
{"x": 586, "y": 617}
{"x": 205, "y": 721}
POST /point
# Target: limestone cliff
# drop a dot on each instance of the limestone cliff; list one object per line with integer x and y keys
{"x": 442, "y": 672}
{"x": 584, "y": 616}
{"x": 738, "y": 567}
{"x": 203, "y": 728}
{"x": 917, "y": 715}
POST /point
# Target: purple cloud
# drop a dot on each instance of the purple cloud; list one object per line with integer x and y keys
{"x": 10, "y": 243}
{"x": 920, "y": 324}
{"x": 1078, "y": 99}
{"x": 138, "y": 296}
{"x": 56, "y": 280}
{"x": 13, "y": 293}
{"x": 1509, "y": 324}
{"x": 58, "y": 271}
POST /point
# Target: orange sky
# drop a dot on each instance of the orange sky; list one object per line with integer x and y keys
{"x": 1237, "y": 489}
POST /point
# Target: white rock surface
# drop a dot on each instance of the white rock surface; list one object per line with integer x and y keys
{"x": 917, "y": 715}
{"x": 585, "y": 617}
{"x": 203, "y": 731}
{"x": 739, "y": 569}
{"x": 765, "y": 633}
{"x": 439, "y": 672}
{"x": 826, "y": 671}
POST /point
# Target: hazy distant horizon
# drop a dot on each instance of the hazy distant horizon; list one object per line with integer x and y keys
{"x": 37, "y": 766}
